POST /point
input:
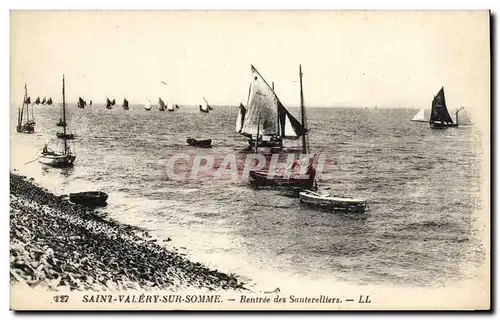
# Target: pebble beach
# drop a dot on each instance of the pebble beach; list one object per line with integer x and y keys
{"x": 58, "y": 245}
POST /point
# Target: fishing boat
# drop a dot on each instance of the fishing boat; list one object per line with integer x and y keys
{"x": 177, "y": 106}
{"x": 44, "y": 101}
{"x": 90, "y": 102}
{"x": 25, "y": 121}
{"x": 207, "y": 105}
{"x": 89, "y": 198}
{"x": 109, "y": 104}
{"x": 66, "y": 157}
{"x": 171, "y": 106}
{"x": 301, "y": 173}
{"x": 161, "y": 104}
{"x": 440, "y": 117}
{"x": 335, "y": 203}
{"x": 113, "y": 102}
{"x": 125, "y": 104}
{"x": 81, "y": 103}
{"x": 206, "y": 143}
{"x": 49, "y": 102}
{"x": 204, "y": 109}
{"x": 277, "y": 122}
{"x": 147, "y": 106}
{"x": 37, "y": 101}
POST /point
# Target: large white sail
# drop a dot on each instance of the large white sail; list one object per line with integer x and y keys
{"x": 204, "y": 106}
{"x": 422, "y": 116}
{"x": 263, "y": 103}
{"x": 170, "y": 107}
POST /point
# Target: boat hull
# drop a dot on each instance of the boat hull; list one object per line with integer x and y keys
{"x": 439, "y": 125}
{"x": 333, "y": 203}
{"x": 261, "y": 179}
{"x": 278, "y": 143}
{"x": 25, "y": 129}
{"x": 200, "y": 143}
{"x": 89, "y": 198}
{"x": 69, "y": 136}
{"x": 57, "y": 160}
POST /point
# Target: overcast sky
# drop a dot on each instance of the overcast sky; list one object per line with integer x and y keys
{"x": 354, "y": 58}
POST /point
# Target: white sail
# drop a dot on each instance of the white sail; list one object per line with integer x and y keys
{"x": 204, "y": 106}
{"x": 148, "y": 105}
{"x": 463, "y": 118}
{"x": 422, "y": 116}
{"x": 263, "y": 103}
{"x": 170, "y": 107}
{"x": 289, "y": 130}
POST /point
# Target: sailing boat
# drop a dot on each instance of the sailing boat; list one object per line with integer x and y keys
{"x": 37, "y": 101}
{"x": 125, "y": 104}
{"x": 290, "y": 177}
{"x": 81, "y": 103}
{"x": 277, "y": 122}
{"x": 440, "y": 118}
{"x": 113, "y": 102}
{"x": 423, "y": 115}
{"x": 25, "y": 125}
{"x": 44, "y": 101}
{"x": 90, "y": 102}
{"x": 463, "y": 119}
{"x": 148, "y": 106}
{"x": 176, "y": 106}
{"x": 170, "y": 107}
{"x": 108, "y": 104}
{"x": 64, "y": 158}
{"x": 49, "y": 102}
{"x": 161, "y": 105}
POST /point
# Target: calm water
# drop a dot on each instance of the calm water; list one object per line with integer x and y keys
{"x": 422, "y": 184}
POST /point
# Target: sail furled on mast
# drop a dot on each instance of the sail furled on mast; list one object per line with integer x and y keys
{"x": 439, "y": 112}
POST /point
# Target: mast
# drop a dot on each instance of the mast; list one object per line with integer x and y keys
{"x": 64, "y": 118}
{"x": 277, "y": 114}
{"x": 257, "y": 138}
{"x": 302, "y": 112}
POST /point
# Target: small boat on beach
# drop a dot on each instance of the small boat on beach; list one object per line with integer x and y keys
{"x": 207, "y": 143}
{"x": 333, "y": 202}
{"x": 89, "y": 198}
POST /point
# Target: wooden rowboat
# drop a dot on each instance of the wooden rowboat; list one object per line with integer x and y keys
{"x": 332, "y": 202}
{"x": 207, "y": 143}
{"x": 89, "y": 198}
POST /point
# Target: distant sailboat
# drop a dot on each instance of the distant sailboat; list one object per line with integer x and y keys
{"x": 161, "y": 104}
{"x": 440, "y": 117}
{"x": 113, "y": 102}
{"x": 147, "y": 106}
{"x": 44, "y": 101}
{"x": 108, "y": 104}
{"x": 37, "y": 101}
{"x": 125, "y": 104}
{"x": 171, "y": 106}
{"x": 49, "y": 102}
{"x": 81, "y": 103}
{"x": 90, "y": 102}
{"x": 66, "y": 157}
{"x": 423, "y": 115}
{"x": 177, "y": 106}
{"x": 277, "y": 122}
{"x": 25, "y": 122}
{"x": 207, "y": 104}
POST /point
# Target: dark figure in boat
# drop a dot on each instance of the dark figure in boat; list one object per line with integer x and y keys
{"x": 61, "y": 123}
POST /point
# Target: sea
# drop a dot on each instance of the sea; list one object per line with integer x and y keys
{"x": 423, "y": 189}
